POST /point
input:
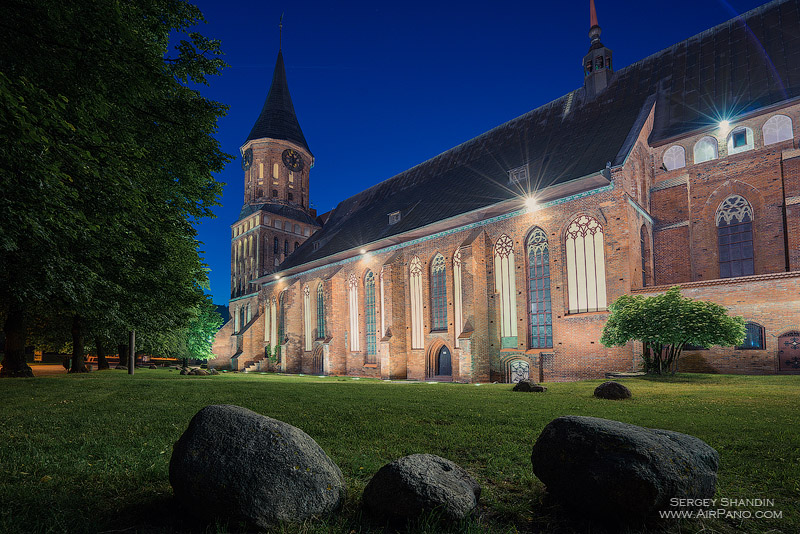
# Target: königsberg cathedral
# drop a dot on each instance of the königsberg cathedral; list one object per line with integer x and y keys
{"x": 497, "y": 260}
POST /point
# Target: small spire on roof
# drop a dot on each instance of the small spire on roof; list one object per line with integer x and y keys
{"x": 594, "y": 30}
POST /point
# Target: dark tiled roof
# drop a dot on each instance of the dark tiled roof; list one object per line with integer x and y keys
{"x": 692, "y": 82}
{"x": 283, "y": 210}
{"x": 278, "y": 119}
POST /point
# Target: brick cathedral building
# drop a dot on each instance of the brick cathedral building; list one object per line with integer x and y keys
{"x": 497, "y": 259}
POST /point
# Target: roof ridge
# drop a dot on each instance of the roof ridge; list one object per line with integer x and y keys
{"x": 699, "y": 35}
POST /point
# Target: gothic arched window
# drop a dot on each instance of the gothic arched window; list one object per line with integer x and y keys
{"x": 281, "y": 321}
{"x": 438, "y": 294}
{"x": 540, "y": 314}
{"x": 505, "y": 285}
{"x": 320, "y": 312}
{"x": 586, "y": 268}
{"x": 706, "y": 149}
{"x": 273, "y": 315}
{"x": 734, "y": 221}
{"x": 369, "y": 314}
{"x": 777, "y": 129}
{"x": 675, "y": 158}
{"x": 355, "y": 344}
{"x": 307, "y": 339}
{"x": 415, "y": 289}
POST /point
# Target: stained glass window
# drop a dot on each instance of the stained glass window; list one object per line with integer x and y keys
{"x": 320, "y": 312}
{"x": 540, "y": 316}
{"x": 438, "y": 294}
{"x": 735, "y": 237}
{"x": 369, "y": 312}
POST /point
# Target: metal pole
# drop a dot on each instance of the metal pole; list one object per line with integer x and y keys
{"x": 132, "y": 352}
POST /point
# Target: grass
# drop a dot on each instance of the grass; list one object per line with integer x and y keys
{"x": 90, "y": 453}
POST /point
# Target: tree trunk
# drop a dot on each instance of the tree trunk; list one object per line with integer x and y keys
{"x": 78, "y": 360}
{"x": 102, "y": 363}
{"x": 14, "y": 364}
{"x": 123, "y": 355}
{"x": 185, "y": 363}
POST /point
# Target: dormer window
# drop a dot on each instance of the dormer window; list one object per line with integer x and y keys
{"x": 520, "y": 174}
{"x": 394, "y": 217}
{"x": 740, "y": 140}
{"x": 316, "y": 245}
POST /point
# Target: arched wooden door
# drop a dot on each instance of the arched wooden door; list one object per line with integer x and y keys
{"x": 789, "y": 353}
{"x": 444, "y": 365}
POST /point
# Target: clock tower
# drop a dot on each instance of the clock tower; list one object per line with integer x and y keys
{"x": 275, "y": 218}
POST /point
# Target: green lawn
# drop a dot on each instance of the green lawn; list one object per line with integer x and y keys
{"x": 90, "y": 453}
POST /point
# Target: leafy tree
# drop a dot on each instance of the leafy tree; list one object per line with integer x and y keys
{"x": 665, "y": 323}
{"x": 106, "y": 161}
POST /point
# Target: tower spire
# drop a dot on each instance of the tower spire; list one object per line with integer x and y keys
{"x": 280, "y": 32}
{"x": 597, "y": 63}
{"x": 594, "y": 28}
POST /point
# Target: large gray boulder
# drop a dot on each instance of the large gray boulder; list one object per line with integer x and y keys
{"x": 616, "y": 469}
{"x": 421, "y": 483}
{"x": 235, "y": 463}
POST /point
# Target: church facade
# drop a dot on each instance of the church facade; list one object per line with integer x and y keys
{"x": 497, "y": 259}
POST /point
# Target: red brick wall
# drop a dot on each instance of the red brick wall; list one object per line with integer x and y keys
{"x": 773, "y": 301}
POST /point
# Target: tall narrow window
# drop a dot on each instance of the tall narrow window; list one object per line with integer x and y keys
{"x": 382, "y": 331}
{"x": 735, "y": 237}
{"x": 415, "y": 287}
{"x": 506, "y": 285}
{"x": 276, "y": 248}
{"x": 307, "y": 339}
{"x": 320, "y": 312}
{"x": 355, "y": 335}
{"x": 644, "y": 240}
{"x": 438, "y": 294}
{"x": 236, "y": 325}
{"x": 777, "y": 129}
{"x": 286, "y": 247}
{"x": 369, "y": 314}
{"x": 267, "y": 323}
{"x": 458, "y": 320}
{"x": 540, "y": 314}
{"x": 273, "y": 332}
{"x": 274, "y": 171}
{"x": 586, "y": 268}
{"x": 281, "y": 321}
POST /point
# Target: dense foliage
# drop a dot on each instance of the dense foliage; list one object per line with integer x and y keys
{"x": 666, "y": 323}
{"x": 106, "y": 162}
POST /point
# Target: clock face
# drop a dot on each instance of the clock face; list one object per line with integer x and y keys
{"x": 247, "y": 159}
{"x": 293, "y": 160}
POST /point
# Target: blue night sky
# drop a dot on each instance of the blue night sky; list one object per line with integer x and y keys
{"x": 381, "y": 87}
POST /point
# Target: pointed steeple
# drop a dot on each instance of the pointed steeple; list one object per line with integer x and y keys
{"x": 597, "y": 63}
{"x": 278, "y": 119}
